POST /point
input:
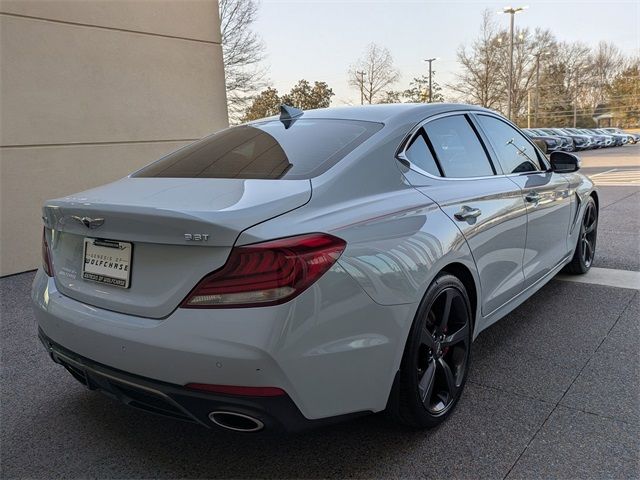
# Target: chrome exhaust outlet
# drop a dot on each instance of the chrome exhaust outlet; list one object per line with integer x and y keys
{"x": 238, "y": 422}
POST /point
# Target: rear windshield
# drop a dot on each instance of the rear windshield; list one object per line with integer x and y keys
{"x": 267, "y": 150}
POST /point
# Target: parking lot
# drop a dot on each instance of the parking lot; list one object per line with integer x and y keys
{"x": 554, "y": 392}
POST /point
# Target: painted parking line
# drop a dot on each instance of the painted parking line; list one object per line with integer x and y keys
{"x": 606, "y": 276}
{"x": 616, "y": 177}
{"x": 603, "y": 173}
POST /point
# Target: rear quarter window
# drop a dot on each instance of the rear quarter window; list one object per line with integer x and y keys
{"x": 269, "y": 150}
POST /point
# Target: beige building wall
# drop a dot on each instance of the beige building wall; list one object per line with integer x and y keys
{"x": 91, "y": 90}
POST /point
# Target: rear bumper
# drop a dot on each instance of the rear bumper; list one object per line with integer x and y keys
{"x": 332, "y": 349}
{"x": 177, "y": 402}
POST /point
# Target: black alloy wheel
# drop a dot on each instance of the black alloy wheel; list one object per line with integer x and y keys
{"x": 588, "y": 234}
{"x": 586, "y": 245}
{"x": 442, "y": 356}
{"x": 436, "y": 359}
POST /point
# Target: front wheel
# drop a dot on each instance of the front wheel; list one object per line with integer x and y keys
{"x": 586, "y": 247}
{"x": 434, "y": 367}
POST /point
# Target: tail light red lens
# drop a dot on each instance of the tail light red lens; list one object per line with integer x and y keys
{"x": 267, "y": 273}
{"x": 47, "y": 265}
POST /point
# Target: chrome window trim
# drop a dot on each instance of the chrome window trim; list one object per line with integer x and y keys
{"x": 541, "y": 155}
{"x": 404, "y": 145}
{"x": 406, "y": 141}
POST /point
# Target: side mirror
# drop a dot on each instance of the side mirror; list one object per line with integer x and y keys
{"x": 541, "y": 144}
{"x": 563, "y": 162}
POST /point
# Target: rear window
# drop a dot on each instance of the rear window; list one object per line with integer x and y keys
{"x": 307, "y": 148}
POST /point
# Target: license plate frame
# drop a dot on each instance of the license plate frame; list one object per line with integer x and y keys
{"x": 107, "y": 262}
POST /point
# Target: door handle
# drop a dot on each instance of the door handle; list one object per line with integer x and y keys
{"x": 467, "y": 213}
{"x": 532, "y": 197}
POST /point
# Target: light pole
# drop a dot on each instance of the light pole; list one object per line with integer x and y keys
{"x": 511, "y": 11}
{"x": 430, "y": 60}
{"x": 537, "y": 105}
{"x": 361, "y": 74}
{"x": 528, "y": 108}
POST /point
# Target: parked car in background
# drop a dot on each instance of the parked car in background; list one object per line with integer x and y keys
{"x": 605, "y": 139}
{"x": 566, "y": 142}
{"x": 631, "y": 137}
{"x": 589, "y": 140}
{"x": 618, "y": 140}
{"x": 583, "y": 138}
{"x": 580, "y": 141}
{"x": 305, "y": 269}
{"x": 552, "y": 143}
{"x": 599, "y": 140}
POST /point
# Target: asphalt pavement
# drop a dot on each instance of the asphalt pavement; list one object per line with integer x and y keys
{"x": 616, "y": 173}
{"x": 554, "y": 392}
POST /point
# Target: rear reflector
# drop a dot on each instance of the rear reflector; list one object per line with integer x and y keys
{"x": 267, "y": 273}
{"x": 47, "y": 266}
{"x": 234, "y": 390}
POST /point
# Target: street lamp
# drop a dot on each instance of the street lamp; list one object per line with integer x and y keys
{"x": 430, "y": 60}
{"x": 511, "y": 11}
{"x": 519, "y": 42}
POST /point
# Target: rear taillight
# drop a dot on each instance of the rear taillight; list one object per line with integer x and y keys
{"x": 267, "y": 273}
{"x": 47, "y": 265}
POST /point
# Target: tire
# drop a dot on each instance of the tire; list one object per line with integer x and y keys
{"x": 436, "y": 358}
{"x": 586, "y": 247}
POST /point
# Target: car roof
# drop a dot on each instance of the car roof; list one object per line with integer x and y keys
{"x": 388, "y": 112}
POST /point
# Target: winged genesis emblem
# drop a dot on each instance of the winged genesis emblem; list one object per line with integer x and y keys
{"x": 88, "y": 221}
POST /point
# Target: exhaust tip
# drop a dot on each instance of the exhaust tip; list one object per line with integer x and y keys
{"x": 238, "y": 422}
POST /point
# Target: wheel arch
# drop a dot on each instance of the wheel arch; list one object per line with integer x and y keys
{"x": 596, "y": 199}
{"x": 463, "y": 274}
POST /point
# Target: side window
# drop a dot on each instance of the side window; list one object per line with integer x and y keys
{"x": 419, "y": 154}
{"x": 514, "y": 151}
{"x": 457, "y": 148}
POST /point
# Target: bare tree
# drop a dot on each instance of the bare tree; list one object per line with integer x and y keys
{"x": 607, "y": 63}
{"x": 566, "y": 81}
{"x": 480, "y": 81}
{"x": 242, "y": 50}
{"x": 624, "y": 94}
{"x": 373, "y": 73}
{"x": 577, "y": 61}
{"x": 555, "y": 105}
{"x": 530, "y": 54}
{"x": 484, "y": 77}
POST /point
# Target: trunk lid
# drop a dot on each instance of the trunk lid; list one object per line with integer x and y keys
{"x": 154, "y": 215}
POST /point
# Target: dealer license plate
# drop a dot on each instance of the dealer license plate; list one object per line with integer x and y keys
{"x": 107, "y": 261}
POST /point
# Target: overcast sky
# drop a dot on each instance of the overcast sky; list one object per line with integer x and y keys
{"x": 319, "y": 40}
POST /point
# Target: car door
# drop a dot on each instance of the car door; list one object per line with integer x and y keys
{"x": 449, "y": 164}
{"x": 546, "y": 194}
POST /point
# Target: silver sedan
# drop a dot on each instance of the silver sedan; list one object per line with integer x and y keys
{"x": 310, "y": 267}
